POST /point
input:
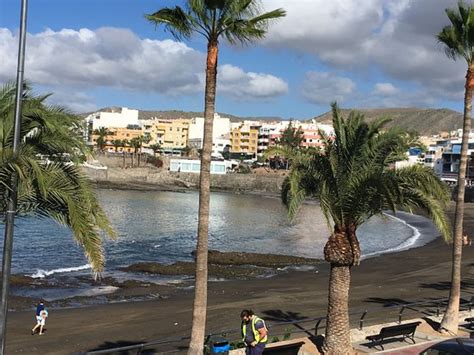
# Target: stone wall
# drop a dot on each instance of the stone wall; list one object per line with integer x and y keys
{"x": 153, "y": 176}
{"x": 236, "y": 182}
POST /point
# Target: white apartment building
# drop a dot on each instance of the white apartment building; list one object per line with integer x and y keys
{"x": 266, "y": 135}
{"x": 221, "y": 128}
{"x": 433, "y": 157}
{"x": 120, "y": 118}
{"x": 452, "y": 158}
{"x": 219, "y": 144}
{"x": 117, "y": 118}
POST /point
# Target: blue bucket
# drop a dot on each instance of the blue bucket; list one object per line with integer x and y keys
{"x": 220, "y": 346}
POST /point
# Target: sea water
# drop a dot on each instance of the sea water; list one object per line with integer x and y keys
{"x": 161, "y": 227}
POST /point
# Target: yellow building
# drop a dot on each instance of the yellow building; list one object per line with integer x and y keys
{"x": 119, "y": 134}
{"x": 244, "y": 139}
{"x": 168, "y": 133}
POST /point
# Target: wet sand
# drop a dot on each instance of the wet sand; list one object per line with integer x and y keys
{"x": 408, "y": 276}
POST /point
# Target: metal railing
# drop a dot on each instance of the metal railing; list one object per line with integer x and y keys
{"x": 425, "y": 307}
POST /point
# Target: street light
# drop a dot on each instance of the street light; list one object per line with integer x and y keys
{"x": 12, "y": 197}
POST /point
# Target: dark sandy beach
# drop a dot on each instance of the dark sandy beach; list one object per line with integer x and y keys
{"x": 414, "y": 275}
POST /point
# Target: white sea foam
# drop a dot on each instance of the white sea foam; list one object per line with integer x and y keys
{"x": 39, "y": 274}
{"x": 407, "y": 244}
{"x": 297, "y": 268}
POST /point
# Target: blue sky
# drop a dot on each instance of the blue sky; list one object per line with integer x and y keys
{"x": 362, "y": 53}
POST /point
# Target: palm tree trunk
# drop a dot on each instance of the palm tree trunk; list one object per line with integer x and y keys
{"x": 123, "y": 159}
{"x": 450, "y": 320}
{"x": 196, "y": 345}
{"x": 338, "y": 339}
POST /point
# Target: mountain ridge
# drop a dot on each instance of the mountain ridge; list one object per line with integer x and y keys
{"x": 425, "y": 121}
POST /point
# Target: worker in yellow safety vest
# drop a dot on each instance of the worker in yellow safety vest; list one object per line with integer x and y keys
{"x": 254, "y": 332}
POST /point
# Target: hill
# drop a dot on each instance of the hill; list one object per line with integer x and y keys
{"x": 174, "y": 114}
{"x": 424, "y": 121}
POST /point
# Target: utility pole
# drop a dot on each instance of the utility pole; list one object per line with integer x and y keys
{"x": 12, "y": 196}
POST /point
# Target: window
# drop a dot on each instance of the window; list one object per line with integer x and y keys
{"x": 218, "y": 168}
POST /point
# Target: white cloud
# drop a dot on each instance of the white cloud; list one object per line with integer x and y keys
{"x": 385, "y": 89}
{"x": 234, "y": 82}
{"x": 108, "y": 57}
{"x": 117, "y": 58}
{"x": 397, "y": 36}
{"x": 333, "y": 30}
{"x": 323, "y": 88}
{"x": 388, "y": 95}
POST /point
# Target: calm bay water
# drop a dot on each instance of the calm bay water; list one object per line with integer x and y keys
{"x": 161, "y": 226}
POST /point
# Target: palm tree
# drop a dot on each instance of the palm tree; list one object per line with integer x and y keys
{"x": 458, "y": 41}
{"x": 291, "y": 137}
{"x": 135, "y": 144}
{"x": 101, "y": 141}
{"x": 117, "y": 143}
{"x": 51, "y": 183}
{"x": 125, "y": 143}
{"x": 186, "y": 151}
{"x": 353, "y": 180}
{"x": 143, "y": 140}
{"x": 236, "y": 21}
{"x": 155, "y": 147}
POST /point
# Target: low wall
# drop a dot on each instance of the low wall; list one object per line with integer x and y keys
{"x": 153, "y": 176}
{"x": 236, "y": 182}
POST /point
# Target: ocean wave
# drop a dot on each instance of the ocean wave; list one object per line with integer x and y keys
{"x": 410, "y": 242}
{"x": 40, "y": 274}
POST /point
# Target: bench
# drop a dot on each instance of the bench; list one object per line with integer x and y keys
{"x": 406, "y": 331}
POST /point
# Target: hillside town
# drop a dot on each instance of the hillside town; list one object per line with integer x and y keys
{"x": 121, "y": 131}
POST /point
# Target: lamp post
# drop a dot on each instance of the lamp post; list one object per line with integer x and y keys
{"x": 12, "y": 196}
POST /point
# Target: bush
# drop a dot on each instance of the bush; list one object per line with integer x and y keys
{"x": 155, "y": 161}
{"x": 244, "y": 169}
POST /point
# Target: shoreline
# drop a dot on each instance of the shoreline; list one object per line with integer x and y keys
{"x": 418, "y": 274}
{"x": 143, "y": 278}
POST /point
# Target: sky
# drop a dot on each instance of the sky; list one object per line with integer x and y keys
{"x": 361, "y": 53}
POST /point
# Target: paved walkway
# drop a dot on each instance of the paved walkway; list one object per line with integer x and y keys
{"x": 410, "y": 350}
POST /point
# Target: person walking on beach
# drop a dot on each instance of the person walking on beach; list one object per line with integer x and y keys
{"x": 254, "y": 332}
{"x": 41, "y": 315}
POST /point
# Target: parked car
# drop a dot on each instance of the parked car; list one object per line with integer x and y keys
{"x": 455, "y": 346}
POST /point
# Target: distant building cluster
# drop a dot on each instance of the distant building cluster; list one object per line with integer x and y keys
{"x": 443, "y": 155}
{"x": 249, "y": 138}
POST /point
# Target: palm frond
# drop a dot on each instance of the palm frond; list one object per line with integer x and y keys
{"x": 175, "y": 20}
{"x": 458, "y": 38}
{"x": 353, "y": 178}
{"x": 56, "y": 189}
